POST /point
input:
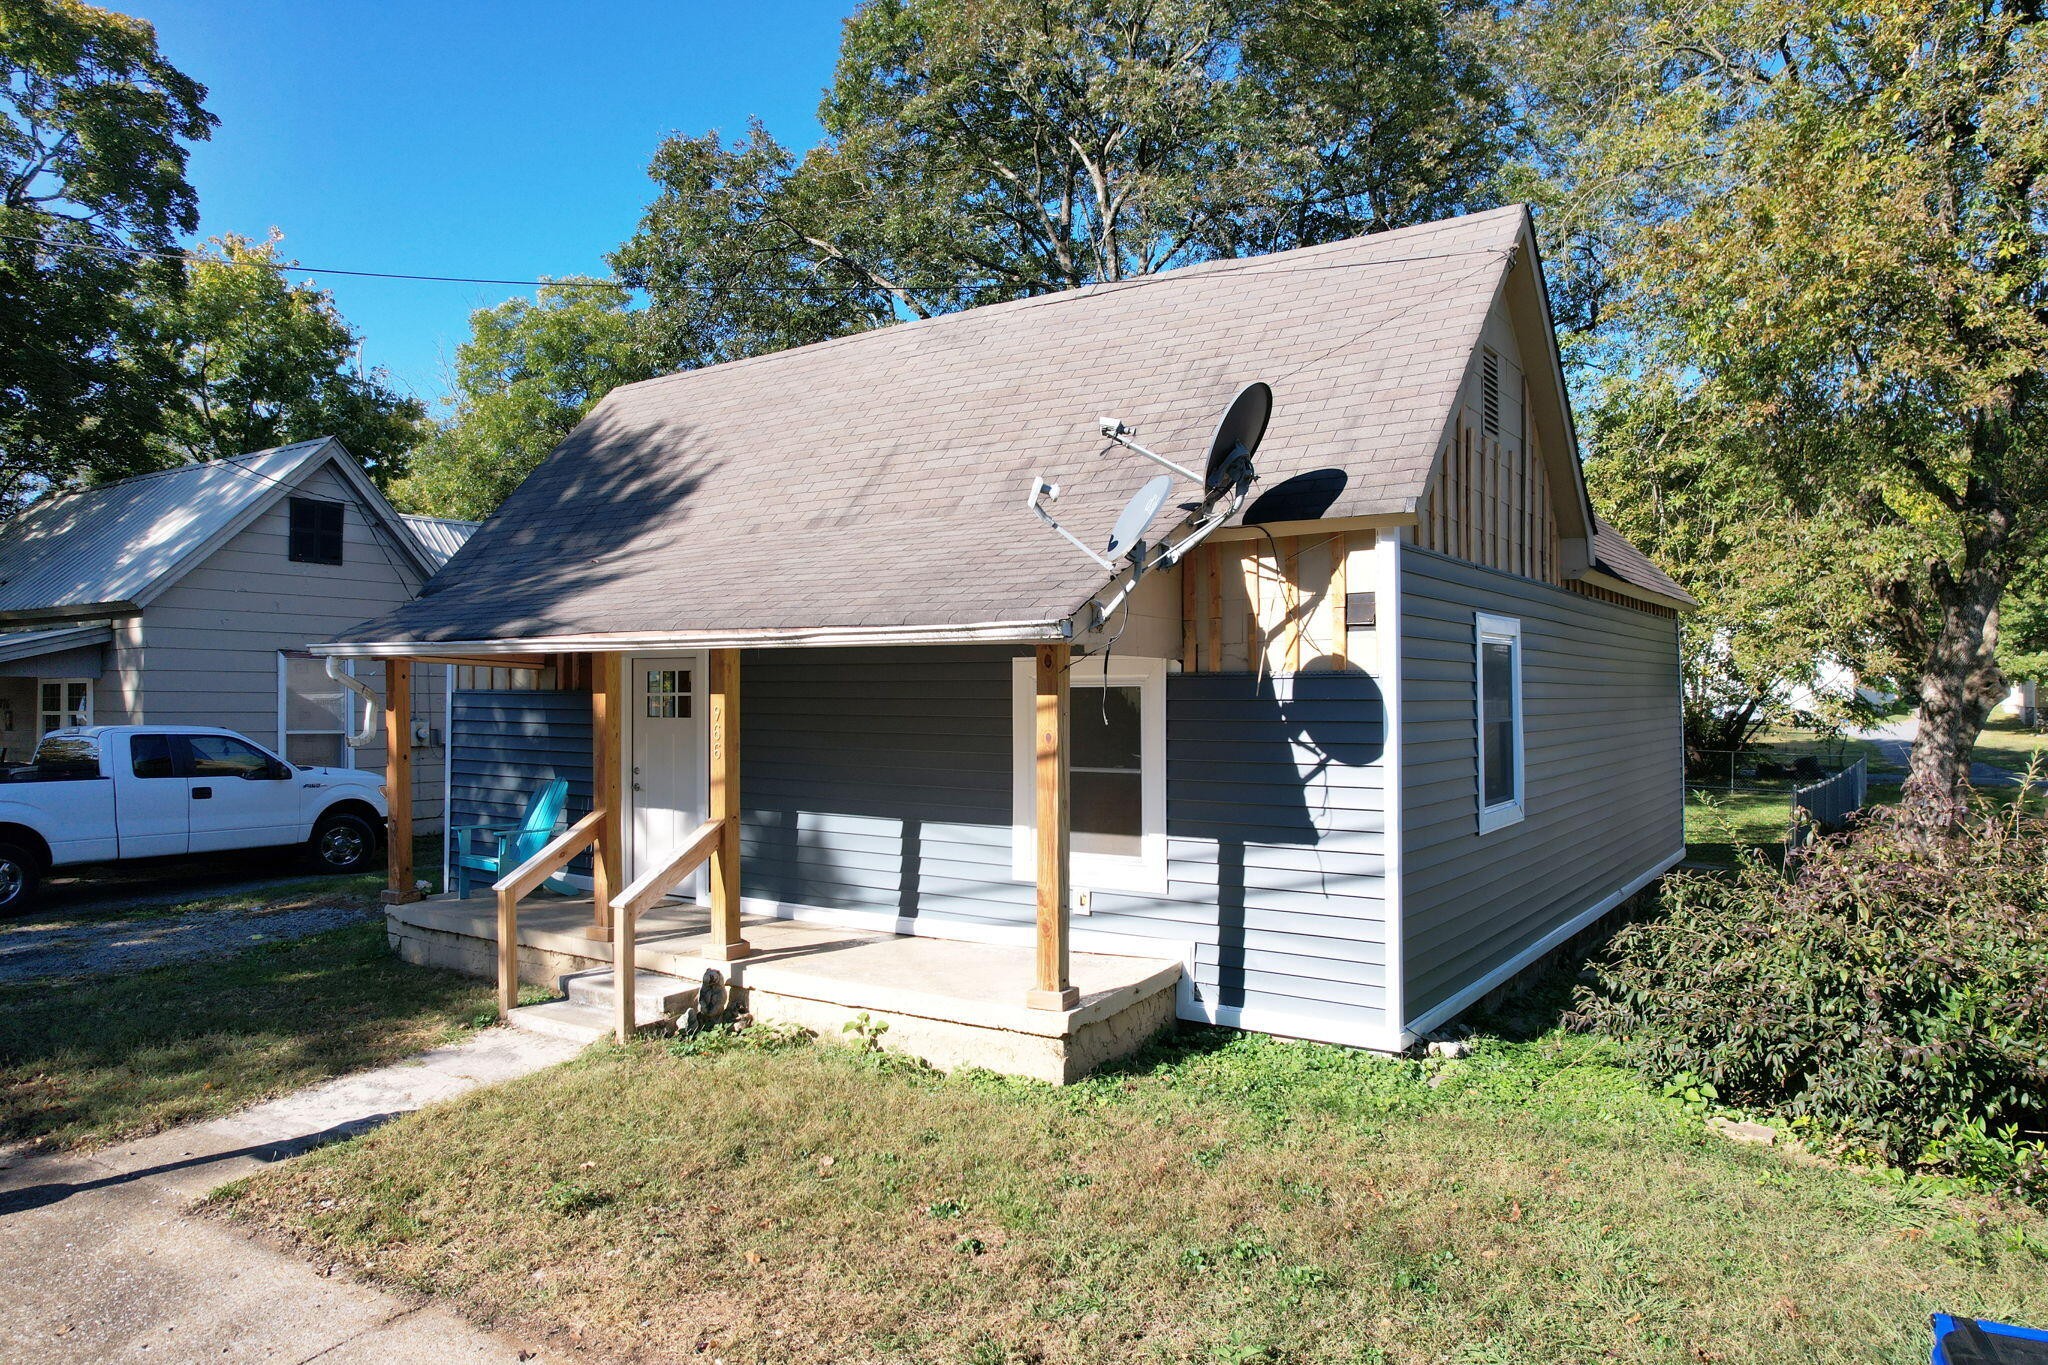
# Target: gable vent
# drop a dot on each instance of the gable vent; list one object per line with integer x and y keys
{"x": 1489, "y": 390}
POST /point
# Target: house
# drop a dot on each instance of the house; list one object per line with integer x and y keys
{"x": 189, "y": 596}
{"x": 1407, "y": 721}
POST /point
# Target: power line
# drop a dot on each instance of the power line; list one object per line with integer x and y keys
{"x": 1250, "y": 263}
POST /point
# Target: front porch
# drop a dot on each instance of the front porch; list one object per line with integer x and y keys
{"x": 1037, "y": 1010}
{"x": 951, "y": 1003}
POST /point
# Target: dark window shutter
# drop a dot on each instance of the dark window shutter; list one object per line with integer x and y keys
{"x": 316, "y": 531}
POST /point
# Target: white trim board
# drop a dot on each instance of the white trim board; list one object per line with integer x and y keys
{"x": 1472, "y": 993}
{"x": 1388, "y": 549}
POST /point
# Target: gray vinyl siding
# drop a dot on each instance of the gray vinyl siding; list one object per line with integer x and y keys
{"x": 879, "y": 781}
{"x": 1604, "y": 768}
{"x": 208, "y": 647}
{"x": 503, "y": 746}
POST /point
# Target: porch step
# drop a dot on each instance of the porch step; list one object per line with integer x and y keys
{"x": 586, "y": 1015}
{"x": 656, "y": 995}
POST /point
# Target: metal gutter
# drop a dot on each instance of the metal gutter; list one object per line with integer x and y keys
{"x": 799, "y": 637}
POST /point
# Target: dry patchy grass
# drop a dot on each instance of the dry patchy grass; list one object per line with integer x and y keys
{"x": 1229, "y": 1198}
{"x": 110, "y": 1057}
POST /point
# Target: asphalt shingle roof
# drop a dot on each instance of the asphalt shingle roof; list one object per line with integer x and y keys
{"x": 879, "y": 480}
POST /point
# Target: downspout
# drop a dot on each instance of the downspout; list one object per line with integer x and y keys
{"x": 350, "y": 736}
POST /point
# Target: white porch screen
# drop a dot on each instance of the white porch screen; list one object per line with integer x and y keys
{"x": 314, "y": 708}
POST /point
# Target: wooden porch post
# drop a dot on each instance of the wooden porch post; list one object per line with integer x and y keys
{"x": 399, "y": 887}
{"x": 607, "y": 792}
{"x": 726, "y": 943}
{"x": 1053, "y": 990}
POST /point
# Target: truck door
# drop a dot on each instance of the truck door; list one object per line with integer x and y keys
{"x": 240, "y": 797}
{"x": 151, "y": 803}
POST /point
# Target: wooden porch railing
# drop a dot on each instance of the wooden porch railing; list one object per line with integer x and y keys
{"x": 520, "y": 882}
{"x": 651, "y": 887}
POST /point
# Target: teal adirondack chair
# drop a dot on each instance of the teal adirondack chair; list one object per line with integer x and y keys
{"x": 511, "y": 846}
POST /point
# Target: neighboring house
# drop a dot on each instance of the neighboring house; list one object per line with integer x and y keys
{"x": 1408, "y": 723}
{"x": 189, "y": 596}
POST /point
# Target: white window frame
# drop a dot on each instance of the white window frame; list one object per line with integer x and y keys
{"x": 1146, "y": 872}
{"x": 63, "y": 713}
{"x": 1491, "y": 629}
{"x": 284, "y": 736}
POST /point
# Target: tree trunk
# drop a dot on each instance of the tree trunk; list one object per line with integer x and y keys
{"x": 1958, "y": 687}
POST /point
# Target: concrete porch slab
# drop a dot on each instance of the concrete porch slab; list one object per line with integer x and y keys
{"x": 952, "y": 1003}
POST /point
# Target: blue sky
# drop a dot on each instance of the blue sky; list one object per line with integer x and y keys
{"x": 506, "y": 139}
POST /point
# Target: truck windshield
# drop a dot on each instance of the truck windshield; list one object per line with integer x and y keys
{"x": 68, "y": 756}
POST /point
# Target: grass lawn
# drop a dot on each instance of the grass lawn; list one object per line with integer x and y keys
{"x": 1230, "y": 1198}
{"x": 110, "y": 1057}
{"x": 2011, "y": 745}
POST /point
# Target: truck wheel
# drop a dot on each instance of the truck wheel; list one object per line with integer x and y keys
{"x": 17, "y": 879}
{"x": 343, "y": 843}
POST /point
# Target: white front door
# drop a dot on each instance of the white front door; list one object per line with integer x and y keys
{"x": 668, "y": 778}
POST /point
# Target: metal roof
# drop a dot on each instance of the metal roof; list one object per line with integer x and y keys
{"x": 439, "y": 537}
{"x": 33, "y": 644}
{"x": 109, "y": 548}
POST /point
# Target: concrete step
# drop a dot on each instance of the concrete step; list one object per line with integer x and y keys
{"x": 656, "y": 996}
{"x": 563, "y": 1019}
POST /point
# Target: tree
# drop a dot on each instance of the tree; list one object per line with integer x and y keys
{"x": 94, "y": 127}
{"x": 260, "y": 361}
{"x": 1787, "y": 603}
{"x": 1828, "y": 227}
{"x": 977, "y": 153}
{"x": 527, "y": 375}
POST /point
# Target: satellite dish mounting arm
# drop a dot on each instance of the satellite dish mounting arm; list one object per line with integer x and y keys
{"x": 1040, "y": 487}
{"x": 1121, "y": 434}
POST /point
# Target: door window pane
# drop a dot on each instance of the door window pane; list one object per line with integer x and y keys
{"x": 1107, "y": 779}
{"x": 668, "y": 693}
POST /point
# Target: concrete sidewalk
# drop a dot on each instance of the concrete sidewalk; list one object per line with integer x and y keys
{"x": 102, "y": 1262}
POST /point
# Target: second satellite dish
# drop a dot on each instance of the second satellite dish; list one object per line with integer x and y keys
{"x": 1137, "y": 515}
{"x": 1237, "y": 439}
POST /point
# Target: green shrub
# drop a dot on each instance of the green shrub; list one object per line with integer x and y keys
{"x": 1892, "y": 995}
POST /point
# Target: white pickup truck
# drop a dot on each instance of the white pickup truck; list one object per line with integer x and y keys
{"x": 103, "y": 793}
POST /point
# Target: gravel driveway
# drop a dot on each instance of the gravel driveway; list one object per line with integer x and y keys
{"x": 32, "y": 950}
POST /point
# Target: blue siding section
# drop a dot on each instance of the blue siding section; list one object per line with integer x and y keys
{"x": 879, "y": 780}
{"x": 1604, "y": 755}
{"x": 504, "y": 745}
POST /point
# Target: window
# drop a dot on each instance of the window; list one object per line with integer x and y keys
{"x": 65, "y": 702}
{"x": 1117, "y": 774}
{"x": 68, "y": 756}
{"x": 668, "y": 694}
{"x": 316, "y": 531}
{"x": 225, "y": 756}
{"x": 1498, "y": 668}
{"x": 313, "y": 713}
{"x": 150, "y": 756}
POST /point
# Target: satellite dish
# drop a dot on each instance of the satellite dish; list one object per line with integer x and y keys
{"x": 1137, "y": 515}
{"x": 1237, "y": 437}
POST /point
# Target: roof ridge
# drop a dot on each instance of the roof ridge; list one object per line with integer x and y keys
{"x": 1096, "y": 288}
{"x": 185, "y": 468}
